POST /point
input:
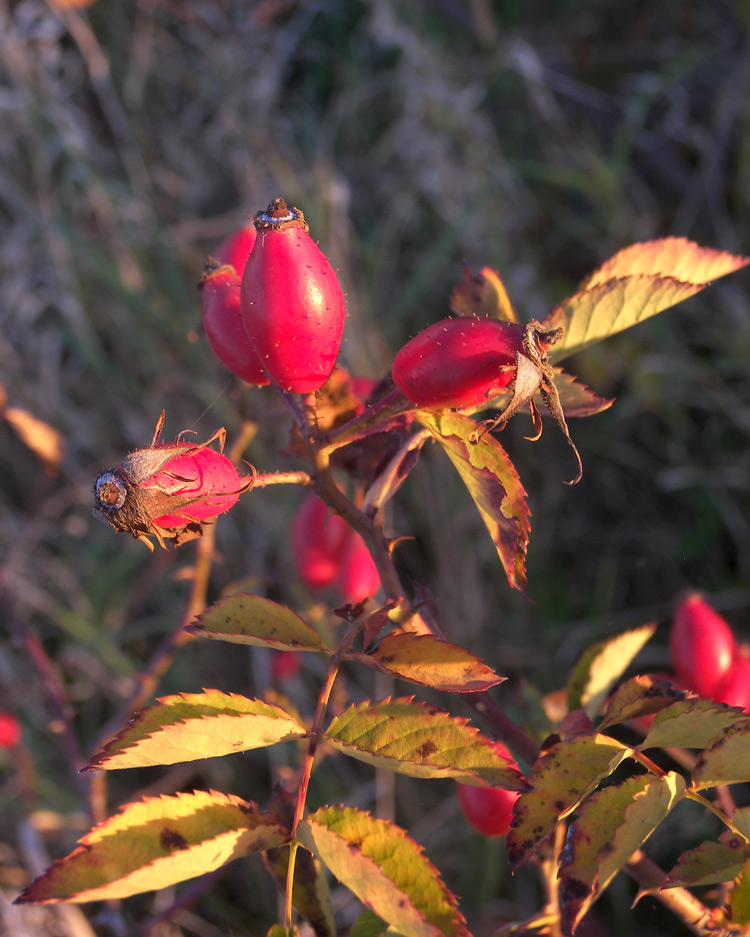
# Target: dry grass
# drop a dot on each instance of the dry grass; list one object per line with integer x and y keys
{"x": 416, "y": 137}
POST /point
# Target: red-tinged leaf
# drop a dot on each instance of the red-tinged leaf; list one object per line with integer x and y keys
{"x": 493, "y": 483}
{"x": 391, "y": 478}
{"x": 668, "y": 257}
{"x": 428, "y": 661}
{"x": 155, "y": 843}
{"x": 607, "y": 830}
{"x": 690, "y": 723}
{"x": 727, "y": 759}
{"x": 575, "y": 398}
{"x": 253, "y": 619}
{"x": 640, "y": 696}
{"x": 562, "y": 777}
{"x": 385, "y": 869}
{"x": 483, "y": 294}
{"x": 602, "y": 665}
{"x": 189, "y": 726}
{"x": 710, "y": 863}
{"x": 635, "y": 284}
{"x": 421, "y": 741}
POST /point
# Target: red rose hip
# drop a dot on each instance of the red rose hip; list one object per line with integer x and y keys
{"x": 702, "y": 646}
{"x": 358, "y": 577}
{"x": 319, "y": 542}
{"x": 236, "y": 249}
{"x": 222, "y": 321}
{"x": 488, "y": 809}
{"x": 10, "y": 730}
{"x": 292, "y": 304}
{"x": 458, "y": 362}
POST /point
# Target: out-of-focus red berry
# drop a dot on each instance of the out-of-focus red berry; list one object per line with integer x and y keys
{"x": 358, "y": 576}
{"x": 168, "y": 489}
{"x": 285, "y": 665}
{"x": 488, "y": 809}
{"x": 292, "y": 304}
{"x": 222, "y": 321}
{"x": 236, "y": 249}
{"x": 701, "y": 645}
{"x": 734, "y": 689}
{"x": 10, "y": 730}
{"x": 319, "y": 542}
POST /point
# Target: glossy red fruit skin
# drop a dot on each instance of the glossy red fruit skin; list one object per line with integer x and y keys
{"x": 222, "y": 321}
{"x": 10, "y": 730}
{"x": 358, "y": 577}
{"x": 458, "y": 363}
{"x": 488, "y": 809}
{"x": 285, "y": 665}
{"x": 702, "y": 646}
{"x": 236, "y": 249}
{"x": 319, "y": 543}
{"x": 292, "y": 304}
{"x": 734, "y": 689}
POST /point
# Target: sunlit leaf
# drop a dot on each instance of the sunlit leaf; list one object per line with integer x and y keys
{"x": 710, "y": 863}
{"x": 668, "y": 257}
{"x": 253, "y": 619}
{"x": 607, "y": 830}
{"x": 564, "y": 774}
{"x": 635, "y": 284}
{"x": 428, "y": 661}
{"x": 690, "y": 723}
{"x": 189, "y": 726}
{"x": 739, "y": 899}
{"x": 482, "y": 294}
{"x": 575, "y": 398}
{"x": 493, "y": 483}
{"x": 727, "y": 759}
{"x": 642, "y": 695}
{"x": 602, "y": 665}
{"x": 155, "y": 843}
{"x": 47, "y": 443}
{"x": 385, "y": 869}
{"x": 422, "y": 741}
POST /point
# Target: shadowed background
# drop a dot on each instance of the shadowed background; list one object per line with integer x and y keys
{"x": 537, "y": 138}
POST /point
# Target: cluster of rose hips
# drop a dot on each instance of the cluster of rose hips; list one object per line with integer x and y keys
{"x": 705, "y": 654}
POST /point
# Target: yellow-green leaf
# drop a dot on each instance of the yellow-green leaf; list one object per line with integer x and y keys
{"x": 640, "y": 696}
{"x": 710, "y": 863}
{"x": 727, "y": 759}
{"x": 635, "y": 284}
{"x": 422, "y": 741}
{"x": 668, "y": 257}
{"x": 739, "y": 899}
{"x": 494, "y": 485}
{"x": 155, "y": 843}
{"x": 602, "y": 665}
{"x": 428, "y": 661}
{"x": 483, "y": 294}
{"x": 256, "y": 620}
{"x": 564, "y": 774}
{"x": 385, "y": 869}
{"x": 189, "y": 726}
{"x": 607, "y": 830}
{"x": 690, "y": 723}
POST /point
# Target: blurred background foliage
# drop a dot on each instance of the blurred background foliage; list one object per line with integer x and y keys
{"x": 535, "y": 137}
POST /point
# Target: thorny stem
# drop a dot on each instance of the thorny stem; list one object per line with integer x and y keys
{"x": 314, "y": 736}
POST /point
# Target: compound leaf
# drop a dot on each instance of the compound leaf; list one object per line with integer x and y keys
{"x": 385, "y": 869}
{"x": 727, "y": 759}
{"x": 421, "y": 741}
{"x": 253, "y": 619}
{"x": 493, "y": 483}
{"x": 607, "y": 830}
{"x": 429, "y": 661}
{"x": 601, "y": 666}
{"x": 189, "y": 726}
{"x": 710, "y": 863}
{"x": 635, "y": 284}
{"x": 155, "y": 843}
{"x": 563, "y": 775}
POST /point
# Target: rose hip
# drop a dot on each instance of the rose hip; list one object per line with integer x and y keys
{"x": 319, "y": 542}
{"x": 702, "y": 646}
{"x": 236, "y": 249}
{"x": 292, "y": 304}
{"x": 488, "y": 809}
{"x": 358, "y": 576}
